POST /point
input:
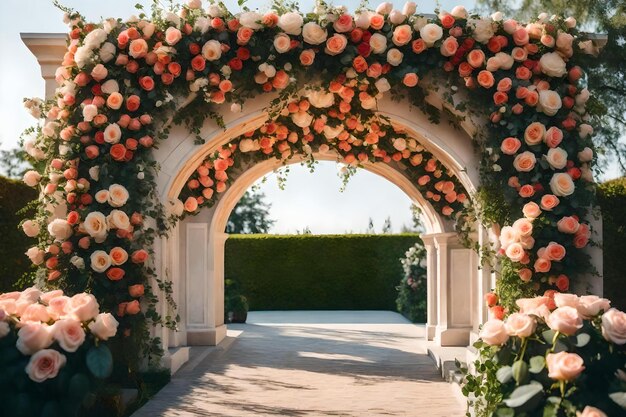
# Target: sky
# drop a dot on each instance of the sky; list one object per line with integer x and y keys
{"x": 310, "y": 199}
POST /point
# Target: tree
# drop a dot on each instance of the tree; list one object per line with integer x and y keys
{"x": 418, "y": 225}
{"x": 387, "y": 229}
{"x": 251, "y": 215}
{"x": 606, "y": 74}
{"x": 13, "y": 162}
{"x": 370, "y": 227}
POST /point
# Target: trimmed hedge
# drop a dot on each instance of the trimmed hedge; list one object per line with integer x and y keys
{"x": 612, "y": 201}
{"x": 317, "y": 272}
{"x": 14, "y": 195}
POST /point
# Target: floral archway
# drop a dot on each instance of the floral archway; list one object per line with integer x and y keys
{"x": 122, "y": 84}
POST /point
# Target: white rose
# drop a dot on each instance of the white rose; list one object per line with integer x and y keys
{"x": 107, "y": 52}
{"x": 249, "y": 145}
{"x": 313, "y": 34}
{"x": 321, "y": 99}
{"x": 251, "y": 20}
{"x": 35, "y": 255}
{"x": 302, "y": 118}
{"x": 104, "y": 327}
{"x": 362, "y": 20}
{"x": 112, "y": 133}
{"x": 30, "y": 228}
{"x": 212, "y": 50}
{"x": 176, "y": 207}
{"x": 382, "y": 85}
{"x": 110, "y": 87}
{"x": 96, "y": 226}
{"x": 202, "y": 25}
{"x": 431, "y": 33}
{"x": 118, "y": 195}
{"x": 60, "y": 229}
{"x": 95, "y": 38}
{"x": 459, "y": 12}
{"x": 562, "y": 185}
{"x": 291, "y": 23}
{"x": 585, "y": 155}
{"x": 396, "y": 17}
{"x": 32, "y": 178}
{"x": 172, "y": 18}
{"x": 100, "y": 261}
{"x": 214, "y": 10}
{"x": 78, "y": 262}
{"x": 557, "y": 158}
{"x": 384, "y": 8}
{"x": 117, "y": 219}
{"x": 378, "y": 43}
{"x": 394, "y": 57}
{"x": 552, "y": 64}
{"x": 549, "y": 102}
{"x": 483, "y": 29}
{"x": 409, "y": 8}
{"x": 94, "y": 173}
{"x": 282, "y": 43}
{"x": 194, "y": 4}
{"x": 497, "y": 16}
{"x": 89, "y": 112}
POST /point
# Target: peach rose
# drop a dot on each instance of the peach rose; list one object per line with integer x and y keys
{"x": 485, "y": 79}
{"x": 45, "y": 364}
{"x": 104, "y": 326}
{"x": 525, "y": 274}
{"x": 173, "y": 35}
{"x": 534, "y": 133}
{"x": 431, "y": 33}
{"x": 515, "y": 252}
{"x": 549, "y": 102}
{"x": 136, "y": 290}
{"x": 531, "y": 210}
{"x": 590, "y": 411}
{"x": 449, "y": 46}
{"x": 336, "y": 44}
{"x": 614, "y": 326}
{"x": 307, "y": 57}
{"x": 568, "y": 225}
{"x": 117, "y": 196}
{"x": 282, "y": 43}
{"x": 520, "y": 325}
{"x": 524, "y": 162}
{"x": 562, "y": 185}
{"x": 138, "y": 48}
{"x": 410, "y": 79}
{"x": 118, "y": 256}
{"x": 553, "y": 137}
{"x": 69, "y": 333}
{"x": 542, "y": 265}
{"x": 549, "y": 202}
{"x": 564, "y": 366}
{"x": 117, "y": 219}
{"x": 523, "y": 227}
{"x": 537, "y": 306}
{"x": 565, "y": 320}
{"x": 212, "y": 50}
{"x": 476, "y": 58}
{"x": 493, "y": 332}
{"x": 555, "y": 251}
{"x": 35, "y": 312}
{"x": 590, "y": 306}
{"x": 32, "y": 337}
{"x": 133, "y": 307}
{"x": 114, "y": 101}
{"x": 313, "y": 34}
{"x": 82, "y": 307}
{"x": 402, "y": 35}
{"x": 100, "y": 261}
{"x": 566, "y": 300}
{"x": 139, "y": 256}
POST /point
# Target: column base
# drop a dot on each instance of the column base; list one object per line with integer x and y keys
{"x": 206, "y": 337}
{"x": 430, "y": 331}
{"x": 452, "y": 337}
{"x": 174, "y": 358}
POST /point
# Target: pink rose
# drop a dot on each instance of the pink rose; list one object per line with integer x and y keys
{"x": 35, "y": 312}
{"x": 45, "y": 364}
{"x": 614, "y": 326}
{"x": 449, "y": 46}
{"x": 566, "y": 300}
{"x": 520, "y": 325}
{"x": 590, "y": 305}
{"x": 402, "y": 35}
{"x": 564, "y": 366}
{"x": 555, "y": 252}
{"x": 590, "y": 411}
{"x": 565, "y": 320}
{"x": 33, "y": 337}
{"x": 82, "y": 307}
{"x": 531, "y": 210}
{"x": 568, "y": 224}
{"x": 104, "y": 327}
{"x": 56, "y": 306}
{"x": 138, "y": 48}
{"x": 336, "y": 44}
{"x": 69, "y": 333}
{"x": 172, "y": 36}
{"x": 510, "y": 146}
{"x": 525, "y": 162}
{"x": 494, "y": 333}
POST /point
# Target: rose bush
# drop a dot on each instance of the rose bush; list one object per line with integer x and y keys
{"x": 53, "y": 351}
{"x": 560, "y": 355}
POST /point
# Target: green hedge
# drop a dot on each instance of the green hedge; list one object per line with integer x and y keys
{"x": 323, "y": 272}
{"x": 14, "y": 195}
{"x": 612, "y": 201}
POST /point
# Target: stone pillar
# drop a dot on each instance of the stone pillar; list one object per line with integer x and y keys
{"x": 49, "y": 49}
{"x": 431, "y": 285}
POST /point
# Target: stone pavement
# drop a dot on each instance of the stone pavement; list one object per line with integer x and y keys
{"x": 314, "y": 363}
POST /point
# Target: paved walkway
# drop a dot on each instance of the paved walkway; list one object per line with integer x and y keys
{"x": 312, "y": 364}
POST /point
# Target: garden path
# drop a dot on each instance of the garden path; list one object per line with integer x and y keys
{"x": 320, "y": 363}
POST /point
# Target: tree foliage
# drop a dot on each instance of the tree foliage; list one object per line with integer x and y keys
{"x": 251, "y": 215}
{"x": 606, "y": 74}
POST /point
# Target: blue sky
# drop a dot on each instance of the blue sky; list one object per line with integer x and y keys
{"x": 312, "y": 200}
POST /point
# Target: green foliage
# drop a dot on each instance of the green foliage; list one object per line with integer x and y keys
{"x": 14, "y": 195}
{"x": 323, "y": 272}
{"x": 411, "y": 301}
{"x": 251, "y": 215}
{"x": 612, "y": 201}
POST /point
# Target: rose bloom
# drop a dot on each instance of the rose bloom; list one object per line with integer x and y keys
{"x": 531, "y": 210}
{"x": 402, "y": 35}
{"x": 549, "y": 102}
{"x": 534, "y": 133}
{"x": 212, "y": 50}
{"x": 614, "y": 326}
{"x": 515, "y": 252}
{"x": 565, "y": 320}
{"x": 410, "y": 79}
{"x": 307, "y": 57}
{"x": 562, "y": 185}
{"x": 45, "y": 364}
{"x": 542, "y": 265}
{"x": 69, "y": 333}
{"x": 493, "y": 332}
{"x": 394, "y": 57}
{"x": 378, "y": 43}
{"x": 524, "y": 162}
{"x": 485, "y": 79}
{"x": 82, "y": 307}
{"x": 525, "y": 274}
{"x": 118, "y": 256}
{"x": 549, "y": 202}
{"x": 555, "y": 252}
{"x": 520, "y": 325}
{"x": 282, "y": 43}
{"x": 564, "y": 366}
{"x": 590, "y": 305}
{"x": 138, "y": 48}
{"x": 449, "y": 46}
{"x": 32, "y": 337}
{"x": 510, "y": 146}
{"x": 60, "y": 229}
{"x": 476, "y": 58}
{"x": 590, "y": 411}
{"x": 313, "y": 34}
{"x": 553, "y": 137}
{"x": 104, "y": 326}
{"x": 431, "y": 33}
{"x": 336, "y": 44}
{"x": 118, "y": 195}
{"x": 173, "y": 35}
{"x": 136, "y": 291}
{"x": 568, "y": 225}
{"x": 523, "y": 227}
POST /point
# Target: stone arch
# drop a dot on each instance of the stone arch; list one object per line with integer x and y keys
{"x": 455, "y": 284}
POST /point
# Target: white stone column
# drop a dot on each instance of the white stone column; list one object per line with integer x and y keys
{"x": 431, "y": 285}
{"x": 49, "y": 49}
